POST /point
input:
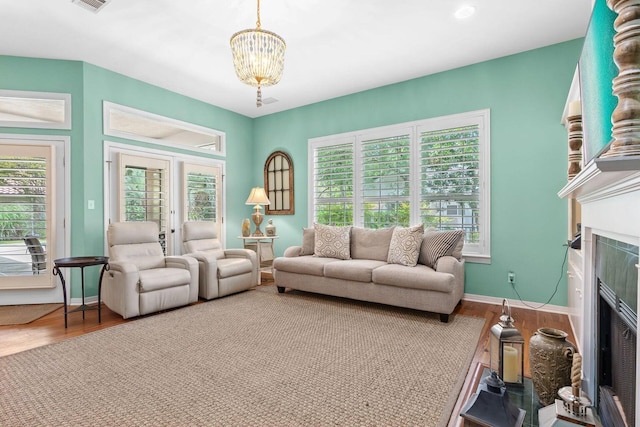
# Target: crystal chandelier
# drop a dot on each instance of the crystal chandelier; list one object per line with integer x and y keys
{"x": 258, "y": 57}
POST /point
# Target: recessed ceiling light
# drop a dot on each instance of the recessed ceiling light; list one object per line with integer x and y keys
{"x": 465, "y": 12}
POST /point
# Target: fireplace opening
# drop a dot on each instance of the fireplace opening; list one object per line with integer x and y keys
{"x": 617, "y": 279}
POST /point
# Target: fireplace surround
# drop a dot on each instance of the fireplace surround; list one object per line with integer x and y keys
{"x": 609, "y": 196}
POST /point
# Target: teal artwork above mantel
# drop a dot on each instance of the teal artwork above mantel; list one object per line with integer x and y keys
{"x": 597, "y": 71}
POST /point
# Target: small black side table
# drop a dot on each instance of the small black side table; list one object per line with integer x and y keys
{"x": 80, "y": 262}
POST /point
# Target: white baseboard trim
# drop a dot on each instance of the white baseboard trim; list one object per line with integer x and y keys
{"x": 514, "y": 303}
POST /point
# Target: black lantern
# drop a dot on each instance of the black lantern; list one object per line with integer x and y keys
{"x": 490, "y": 406}
{"x": 507, "y": 349}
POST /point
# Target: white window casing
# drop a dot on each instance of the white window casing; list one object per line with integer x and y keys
{"x": 434, "y": 171}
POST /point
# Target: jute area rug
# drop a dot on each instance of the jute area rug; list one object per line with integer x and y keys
{"x": 253, "y": 359}
{"x": 21, "y": 314}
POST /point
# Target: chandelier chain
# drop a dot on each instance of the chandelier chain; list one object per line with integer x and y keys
{"x": 258, "y": 21}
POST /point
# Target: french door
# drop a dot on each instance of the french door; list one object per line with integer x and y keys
{"x": 167, "y": 189}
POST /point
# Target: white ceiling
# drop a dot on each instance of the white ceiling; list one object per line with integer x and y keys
{"x": 334, "y": 47}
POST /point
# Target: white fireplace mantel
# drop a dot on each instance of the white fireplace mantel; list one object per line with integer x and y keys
{"x": 608, "y": 191}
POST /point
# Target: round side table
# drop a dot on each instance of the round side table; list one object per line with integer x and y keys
{"x": 80, "y": 262}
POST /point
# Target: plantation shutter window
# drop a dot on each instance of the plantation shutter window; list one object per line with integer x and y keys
{"x": 385, "y": 177}
{"x": 450, "y": 180}
{"x": 333, "y": 194}
{"x": 434, "y": 171}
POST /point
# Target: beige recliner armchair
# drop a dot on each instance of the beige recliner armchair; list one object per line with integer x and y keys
{"x": 222, "y": 272}
{"x": 141, "y": 280}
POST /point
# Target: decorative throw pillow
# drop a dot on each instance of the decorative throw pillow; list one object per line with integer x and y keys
{"x": 332, "y": 242}
{"x": 308, "y": 241}
{"x": 405, "y": 245}
{"x": 437, "y": 244}
{"x": 370, "y": 244}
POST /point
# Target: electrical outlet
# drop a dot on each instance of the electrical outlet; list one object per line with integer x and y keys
{"x": 511, "y": 277}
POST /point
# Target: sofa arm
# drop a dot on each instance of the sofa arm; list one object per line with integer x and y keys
{"x": 451, "y": 265}
{"x": 446, "y": 264}
{"x": 120, "y": 288}
{"x": 188, "y": 263}
{"x": 293, "y": 251}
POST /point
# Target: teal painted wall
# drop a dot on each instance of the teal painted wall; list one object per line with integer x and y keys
{"x": 89, "y": 86}
{"x": 526, "y": 94}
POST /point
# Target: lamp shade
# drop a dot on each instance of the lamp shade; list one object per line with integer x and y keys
{"x": 257, "y": 197}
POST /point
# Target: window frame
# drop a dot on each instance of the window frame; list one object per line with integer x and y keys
{"x": 65, "y": 98}
{"x": 478, "y": 253}
{"x": 178, "y": 125}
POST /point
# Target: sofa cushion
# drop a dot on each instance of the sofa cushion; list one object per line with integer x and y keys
{"x": 308, "y": 241}
{"x": 404, "y": 247}
{"x": 370, "y": 244}
{"x": 303, "y": 264}
{"x": 418, "y": 277}
{"x": 331, "y": 241}
{"x": 358, "y": 270}
{"x": 436, "y": 244}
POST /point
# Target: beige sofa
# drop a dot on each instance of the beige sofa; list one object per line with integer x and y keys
{"x": 404, "y": 267}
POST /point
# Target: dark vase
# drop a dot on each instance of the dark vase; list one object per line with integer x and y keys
{"x": 550, "y": 359}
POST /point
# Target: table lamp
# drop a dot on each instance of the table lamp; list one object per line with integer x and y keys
{"x": 257, "y": 197}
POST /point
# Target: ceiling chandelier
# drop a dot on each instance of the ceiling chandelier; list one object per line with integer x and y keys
{"x": 258, "y": 57}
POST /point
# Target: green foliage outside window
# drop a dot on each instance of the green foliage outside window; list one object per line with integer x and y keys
{"x": 448, "y": 173}
{"x": 23, "y": 197}
{"x": 201, "y": 193}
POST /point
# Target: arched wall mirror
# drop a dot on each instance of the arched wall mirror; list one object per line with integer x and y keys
{"x": 278, "y": 182}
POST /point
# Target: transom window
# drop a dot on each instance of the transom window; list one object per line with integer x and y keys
{"x": 433, "y": 171}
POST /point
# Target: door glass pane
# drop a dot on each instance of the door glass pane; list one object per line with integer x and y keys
{"x": 24, "y": 216}
{"x": 201, "y": 194}
{"x": 144, "y": 184}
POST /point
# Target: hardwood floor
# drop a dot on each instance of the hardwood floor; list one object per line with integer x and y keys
{"x": 50, "y": 329}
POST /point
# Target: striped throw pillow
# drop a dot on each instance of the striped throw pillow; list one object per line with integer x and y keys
{"x": 437, "y": 244}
